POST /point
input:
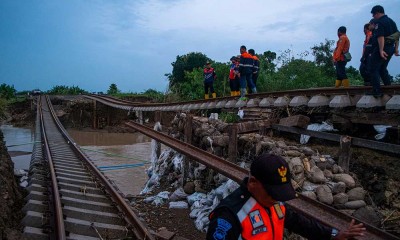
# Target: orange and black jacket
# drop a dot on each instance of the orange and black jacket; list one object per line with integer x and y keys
{"x": 342, "y": 46}
{"x": 234, "y": 219}
{"x": 256, "y": 65}
{"x": 246, "y": 63}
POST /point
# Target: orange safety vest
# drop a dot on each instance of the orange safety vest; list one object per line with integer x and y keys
{"x": 260, "y": 223}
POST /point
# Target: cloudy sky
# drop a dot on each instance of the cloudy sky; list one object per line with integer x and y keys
{"x": 132, "y": 43}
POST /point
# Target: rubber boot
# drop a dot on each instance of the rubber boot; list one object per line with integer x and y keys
{"x": 253, "y": 90}
{"x": 214, "y": 95}
{"x": 242, "y": 92}
{"x": 233, "y": 93}
{"x": 205, "y": 96}
{"x": 338, "y": 83}
{"x": 346, "y": 83}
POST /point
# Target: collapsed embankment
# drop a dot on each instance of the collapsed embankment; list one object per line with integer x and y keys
{"x": 11, "y": 197}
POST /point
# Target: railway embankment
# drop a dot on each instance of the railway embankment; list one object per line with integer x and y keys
{"x": 377, "y": 173}
{"x": 11, "y": 196}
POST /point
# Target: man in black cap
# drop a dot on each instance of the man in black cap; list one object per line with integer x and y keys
{"x": 256, "y": 210}
{"x": 383, "y": 49}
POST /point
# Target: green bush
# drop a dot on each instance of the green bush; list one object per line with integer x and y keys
{"x": 229, "y": 117}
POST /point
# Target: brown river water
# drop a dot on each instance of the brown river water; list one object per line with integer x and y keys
{"x": 122, "y": 157}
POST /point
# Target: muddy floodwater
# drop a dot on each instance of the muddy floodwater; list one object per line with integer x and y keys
{"x": 122, "y": 157}
{"x": 19, "y": 143}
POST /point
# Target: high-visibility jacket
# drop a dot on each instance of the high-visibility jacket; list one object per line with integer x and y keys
{"x": 240, "y": 216}
{"x": 261, "y": 223}
{"x": 342, "y": 46}
{"x": 246, "y": 63}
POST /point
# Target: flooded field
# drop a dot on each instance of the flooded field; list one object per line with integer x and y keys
{"x": 123, "y": 157}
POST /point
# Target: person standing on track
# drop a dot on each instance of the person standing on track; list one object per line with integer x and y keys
{"x": 256, "y": 66}
{"x": 342, "y": 47}
{"x": 246, "y": 72}
{"x": 384, "y": 46}
{"x": 256, "y": 210}
{"x": 209, "y": 77}
{"x": 365, "y": 54}
{"x": 234, "y": 83}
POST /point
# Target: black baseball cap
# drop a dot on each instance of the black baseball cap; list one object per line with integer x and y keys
{"x": 377, "y": 9}
{"x": 274, "y": 174}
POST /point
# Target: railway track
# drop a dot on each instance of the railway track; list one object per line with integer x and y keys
{"x": 68, "y": 197}
{"x": 315, "y": 97}
{"x": 306, "y": 206}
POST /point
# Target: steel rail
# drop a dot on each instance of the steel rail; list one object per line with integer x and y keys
{"x": 356, "y": 90}
{"x": 58, "y": 213}
{"x": 306, "y": 206}
{"x": 140, "y": 230}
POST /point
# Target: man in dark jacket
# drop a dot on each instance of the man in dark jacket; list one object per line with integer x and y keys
{"x": 256, "y": 66}
{"x": 256, "y": 210}
{"x": 383, "y": 49}
{"x": 246, "y": 71}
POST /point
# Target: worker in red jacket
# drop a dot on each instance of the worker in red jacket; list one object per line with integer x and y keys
{"x": 234, "y": 81}
{"x": 209, "y": 77}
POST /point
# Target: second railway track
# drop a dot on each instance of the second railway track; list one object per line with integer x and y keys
{"x": 68, "y": 197}
{"x": 91, "y": 208}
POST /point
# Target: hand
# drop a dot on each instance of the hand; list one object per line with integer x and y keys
{"x": 354, "y": 230}
{"x": 396, "y": 53}
{"x": 383, "y": 55}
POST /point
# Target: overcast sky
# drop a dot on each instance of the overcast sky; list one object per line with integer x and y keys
{"x": 93, "y": 43}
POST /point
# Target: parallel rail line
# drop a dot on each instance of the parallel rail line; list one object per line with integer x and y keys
{"x": 212, "y": 103}
{"x": 69, "y": 198}
{"x": 302, "y": 204}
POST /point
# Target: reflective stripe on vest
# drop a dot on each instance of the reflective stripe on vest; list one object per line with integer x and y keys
{"x": 257, "y": 223}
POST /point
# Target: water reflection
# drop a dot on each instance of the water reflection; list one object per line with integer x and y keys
{"x": 19, "y": 142}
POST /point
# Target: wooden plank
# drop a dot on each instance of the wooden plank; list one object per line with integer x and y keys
{"x": 381, "y": 146}
{"x": 295, "y": 121}
{"x": 252, "y": 126}
{"x": 232, "y": 148}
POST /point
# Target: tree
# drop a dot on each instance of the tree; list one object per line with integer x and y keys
{"x": 298, "y": 74}
{"x": 6, "y": 91}
{"x": 184, "y": 63}
{"x": 65, "y": 90}
{"x": 113, "y": 89}
{"x": 323, "y": 56}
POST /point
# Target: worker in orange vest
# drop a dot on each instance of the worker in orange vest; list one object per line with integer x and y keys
{"x": 256, "y": 210}
{"x": 342, "y": 47}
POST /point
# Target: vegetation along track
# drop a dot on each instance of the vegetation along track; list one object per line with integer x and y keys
{"x": 68, "y": 197}
{"x": 307, "y": 206}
